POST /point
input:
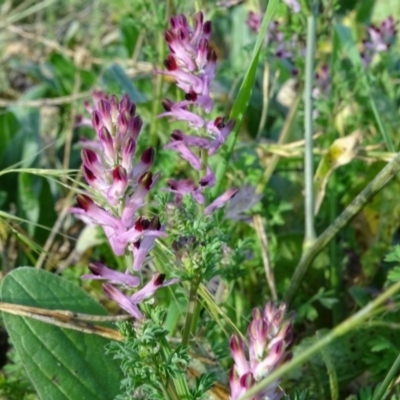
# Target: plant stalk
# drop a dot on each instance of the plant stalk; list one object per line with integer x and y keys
{"x": 309, "y": 236}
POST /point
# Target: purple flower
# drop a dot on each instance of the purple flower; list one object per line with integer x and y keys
{"x": 130, "y": 303}
{"x": 269, "y": 335}
{"x": 109, "y": 168}
{"x": 101, "y": 272}
{"x": 192, "y": 63}
{"x": 119, "y": 187}
{"x": 380, "y": 39}
{"x": 220, "y": 201}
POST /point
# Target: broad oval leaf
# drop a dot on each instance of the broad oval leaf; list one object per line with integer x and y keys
{"x": 62, "y": 364}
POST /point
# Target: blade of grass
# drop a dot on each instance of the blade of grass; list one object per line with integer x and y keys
{"x": 393, "y": 372}
{"x": 243, "y": 97}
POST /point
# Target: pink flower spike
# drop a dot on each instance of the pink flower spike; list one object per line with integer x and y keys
{"x": 126, "y": 303}
{"x": 157, "y": 281}
{"x": 220, "y": 201}
{"x": 101, "y": 272}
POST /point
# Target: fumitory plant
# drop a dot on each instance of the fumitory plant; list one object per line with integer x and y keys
{"x": 188, "y": 218}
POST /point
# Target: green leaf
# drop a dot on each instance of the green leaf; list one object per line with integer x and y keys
{"x": 394, "y": 254}
{"x": 243, "y": 97}
{"x": 8, "y": 128}
{"x": 129, "y": 33}
{"x": 115, "y": 74}
{"x": 61, "y": 363}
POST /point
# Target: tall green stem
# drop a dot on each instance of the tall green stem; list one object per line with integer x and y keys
{"x": 194, "y": 285}
{"x": 308, "y": 131}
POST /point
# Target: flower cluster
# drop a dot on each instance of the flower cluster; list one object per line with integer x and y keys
{"x": 380, "y": 38}
{"x": 270, "y": 333}
{"x": 118, "y": 188}
{"x": 191, "y": 63}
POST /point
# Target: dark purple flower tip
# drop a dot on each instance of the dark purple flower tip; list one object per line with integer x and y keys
{"x": 207, "y": 28}
{"x": 142, "y": 224}
{"x": 176, "y": 136}
{"x": 104, "y": 108}
{"x": 211, "y": 55}
{"x": 95, "y": 268}
{"x": 191, "y": 96}
{"x": 146, "y": 180}
{"x": 182, "y": 21}
{"x": 219, "y": 122}
{"x": 136, "y": 244}
{"x": 89, "y": 174}
{"x": 169, "y": 36}
{"x": 119, "y": 174}
{"x": 247, "y": 380}
{"x": 96, "y": 120}
{"x": 170, "y": 63}
{"x": 173, "y": 184}
{"x": 84, "y": 201}
{"x": 159, "y": 279}
{"x": 155, "y": 224}
{"x": 89, "y": 156}
{"x": 135, "y": 125}
{"x": 148, "y": 156}
{"x": 167, "y": 104}
{"x": 173, "y": 22}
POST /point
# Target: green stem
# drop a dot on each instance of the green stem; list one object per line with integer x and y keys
{"x": 338, "y": 307}
{"x": 179, "y": 390}
{"x": 190, "y": 310}
{"x": 345, "y": 327}
{"x": 342, "y": 220}
{"x": 378, "y": 395}
{"x": 309, "y": 236}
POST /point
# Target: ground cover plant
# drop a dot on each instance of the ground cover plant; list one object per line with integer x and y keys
{"x": 199, "y": 200}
